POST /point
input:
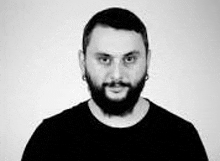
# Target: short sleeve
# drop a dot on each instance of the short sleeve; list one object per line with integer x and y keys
{"x": 195, "y": 146}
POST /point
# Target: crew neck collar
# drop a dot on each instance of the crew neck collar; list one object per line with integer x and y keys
{"x": 120, "y": 123}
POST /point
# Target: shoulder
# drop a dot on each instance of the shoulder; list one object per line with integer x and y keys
{"x": 171, "y": 126}
{"x": 176, "y": 133}
{"x": 67, "y": 118}
{"x": 54, "y": 134}
{"x": 166, "y": 120}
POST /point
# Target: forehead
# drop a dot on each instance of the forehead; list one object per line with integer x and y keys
{"x": 114, "y": 41}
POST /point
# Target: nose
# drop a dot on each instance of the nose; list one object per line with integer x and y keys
{"x": 117, "y": 72}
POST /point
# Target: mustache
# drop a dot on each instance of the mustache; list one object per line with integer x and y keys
{"x": 116, "y": 84}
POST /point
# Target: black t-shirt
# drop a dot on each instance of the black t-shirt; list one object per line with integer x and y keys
{"x": 75, "y": 134}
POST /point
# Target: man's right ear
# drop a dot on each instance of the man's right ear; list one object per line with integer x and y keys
{"x": 82, "y": 62}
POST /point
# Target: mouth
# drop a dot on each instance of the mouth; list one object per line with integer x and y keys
{"x": 116, "y": 93}
{"x": 116, "y": 89}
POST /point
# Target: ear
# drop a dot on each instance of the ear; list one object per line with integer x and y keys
{"x": 82, "y": 63}
{"x": 148, "y": 58}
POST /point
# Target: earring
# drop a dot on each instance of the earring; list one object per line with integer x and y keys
{"x": 147, "y": 77}
{"x": 83, "y": 77}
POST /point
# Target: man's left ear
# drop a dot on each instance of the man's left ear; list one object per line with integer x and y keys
{"x": 148, "y": 58}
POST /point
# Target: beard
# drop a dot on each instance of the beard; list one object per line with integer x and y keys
{"x": 117, "y": 107}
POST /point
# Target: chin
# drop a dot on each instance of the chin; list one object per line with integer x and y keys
{"x": 118, "y": 99}
{"x": 115, "y": 98}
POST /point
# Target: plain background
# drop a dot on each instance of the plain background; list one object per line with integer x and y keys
{"x": 40, "y": 77}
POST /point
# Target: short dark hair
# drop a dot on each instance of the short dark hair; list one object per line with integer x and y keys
{"x": 117, "y": 18}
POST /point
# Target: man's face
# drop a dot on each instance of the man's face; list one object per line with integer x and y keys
{"x": 115, "y": 66}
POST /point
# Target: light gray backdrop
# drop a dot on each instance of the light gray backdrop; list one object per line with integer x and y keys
{"x": 40, "y": 77}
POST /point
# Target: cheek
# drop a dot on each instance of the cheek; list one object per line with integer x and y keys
{"x": 138, "y": 73}
{"x": 96, "y": 73}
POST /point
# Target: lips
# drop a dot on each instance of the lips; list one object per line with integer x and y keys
{"x": 116, "y": 89}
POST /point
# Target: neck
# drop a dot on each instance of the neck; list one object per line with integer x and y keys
{"x": 138, "y": 113}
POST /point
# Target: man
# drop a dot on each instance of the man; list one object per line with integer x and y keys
{"x": 116, "y": 123}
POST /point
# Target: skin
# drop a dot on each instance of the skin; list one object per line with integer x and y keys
{"x": 112, "y": 56}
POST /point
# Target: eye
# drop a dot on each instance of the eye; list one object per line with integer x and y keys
{"x": 104, "y": 60}
{"x": 129, "y": 59}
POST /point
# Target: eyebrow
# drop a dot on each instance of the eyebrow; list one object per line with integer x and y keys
{"x": 133, "y": 52}
{"x": 102, "y": 54}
